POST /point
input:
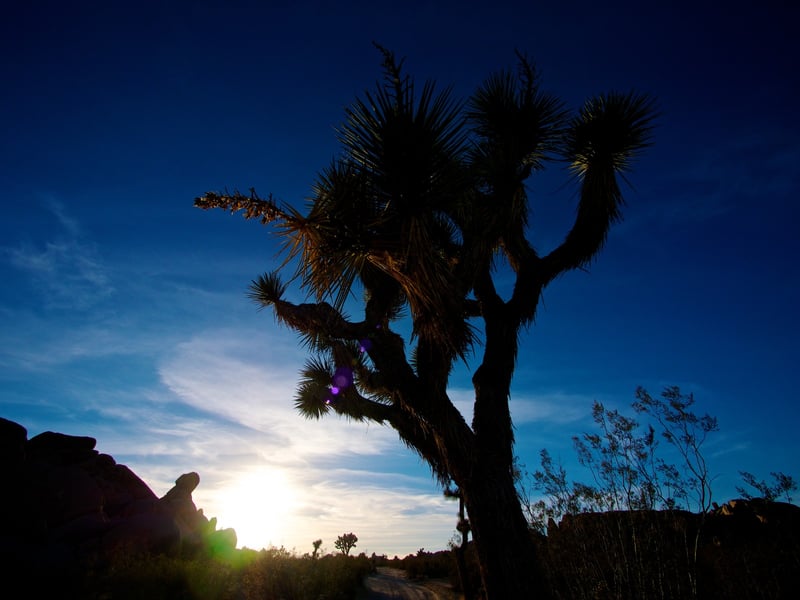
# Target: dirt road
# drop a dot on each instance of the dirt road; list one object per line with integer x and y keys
{"x": 391, "y": 584}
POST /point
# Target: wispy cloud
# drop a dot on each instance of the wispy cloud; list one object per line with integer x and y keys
{"x": 549, "y": 407}
{"x": 338, "y": 469}
{"x": 555, "y": 407}
{"x": 68, "y": 269}
{"x": 252, "y": 382}
{"x": 222, "y": 406}
{"x": 146, "y": 307}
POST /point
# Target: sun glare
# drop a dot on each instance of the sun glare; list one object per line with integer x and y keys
{"x": 257, "y": 504}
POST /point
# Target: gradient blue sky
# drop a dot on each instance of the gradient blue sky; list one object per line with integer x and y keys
{"x": 123, "y": 312}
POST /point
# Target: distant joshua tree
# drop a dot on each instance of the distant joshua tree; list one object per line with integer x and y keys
{"x": 345, "y": 542}
{"x": 426, "y": 204}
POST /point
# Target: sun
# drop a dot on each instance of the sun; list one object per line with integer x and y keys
{"x": 258, "y": 504}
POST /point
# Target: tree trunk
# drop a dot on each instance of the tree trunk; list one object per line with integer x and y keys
{"x": 461, "y": 551}
{"x": 506, "y": 551}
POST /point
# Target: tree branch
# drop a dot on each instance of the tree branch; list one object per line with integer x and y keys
{"x": 598, "y": 208}
{"x": 253, "y": 206}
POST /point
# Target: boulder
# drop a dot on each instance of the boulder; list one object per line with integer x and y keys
{"x": 153, "y": 533}
{"x": 178, "y": 503}
{"x": 67, "y": 505}
{"x": 59, "y": 448}
{"x": 13, "y": 438}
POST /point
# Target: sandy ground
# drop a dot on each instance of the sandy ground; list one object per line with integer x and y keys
{"x": 391, "y": 584}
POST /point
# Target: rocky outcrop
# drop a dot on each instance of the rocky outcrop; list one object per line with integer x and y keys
{"x": 66, "y": 505}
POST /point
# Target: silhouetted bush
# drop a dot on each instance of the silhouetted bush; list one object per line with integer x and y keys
{"x": 429, "y": 565}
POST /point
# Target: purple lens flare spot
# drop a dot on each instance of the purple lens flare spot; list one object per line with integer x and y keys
{"x": 343, "y": 377}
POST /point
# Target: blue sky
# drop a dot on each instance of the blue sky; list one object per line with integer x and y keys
{"x": 123, "y": 312}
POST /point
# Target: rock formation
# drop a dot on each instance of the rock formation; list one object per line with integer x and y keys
{"x": 742, "y": 549}
{"x": 65, "y": 505}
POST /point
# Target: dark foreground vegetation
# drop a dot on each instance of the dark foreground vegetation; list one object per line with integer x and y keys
{"x": 743, "y": 549}
{"x": 746, "y": 549}
{"x": 244, "y": 574}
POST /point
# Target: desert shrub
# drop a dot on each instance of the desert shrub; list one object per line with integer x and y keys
{"x": 644, "y": 528}
{"x": 627, "y": 469}
{"x": 163, "y": 577}
{"x": 330, "y": 577}
{"x": 781, "y": 489}
{"x": 424, "y": 564}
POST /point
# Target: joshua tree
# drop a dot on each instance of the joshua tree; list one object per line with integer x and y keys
{"x": 425, "y": 206}
{"x": 345, "y": 542}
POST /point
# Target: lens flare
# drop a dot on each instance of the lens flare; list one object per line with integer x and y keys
{"x": 343, "y": 378}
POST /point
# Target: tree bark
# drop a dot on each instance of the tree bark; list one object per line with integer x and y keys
{"x": 506, "y": 549}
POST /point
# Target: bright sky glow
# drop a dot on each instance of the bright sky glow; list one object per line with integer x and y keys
{"x": 258, "y": 504}
{"x": 123, "y": 309}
